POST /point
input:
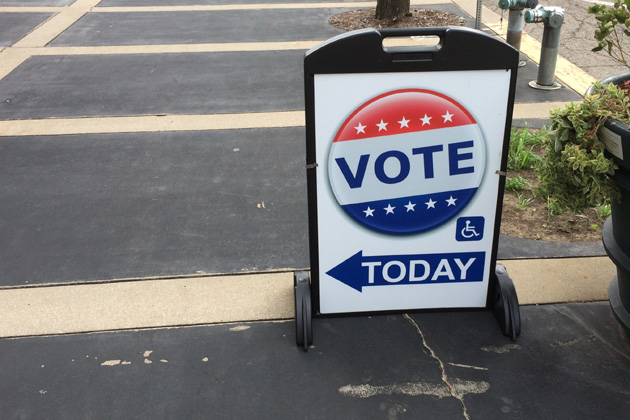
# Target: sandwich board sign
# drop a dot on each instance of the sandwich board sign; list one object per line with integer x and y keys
{"x": 406, "y": 153}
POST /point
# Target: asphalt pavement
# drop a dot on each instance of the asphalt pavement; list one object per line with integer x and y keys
{"x": 153, "y": 209}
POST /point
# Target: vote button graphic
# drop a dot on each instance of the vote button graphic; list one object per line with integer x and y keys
{"x": 406, "y": 161}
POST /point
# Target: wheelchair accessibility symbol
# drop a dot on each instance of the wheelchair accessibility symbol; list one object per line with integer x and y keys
{"x": 470, "y": 229}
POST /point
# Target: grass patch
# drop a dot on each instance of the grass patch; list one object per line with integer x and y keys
{"x": 521, "y": 153}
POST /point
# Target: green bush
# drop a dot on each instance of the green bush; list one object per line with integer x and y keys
{"x": 575, "y": 173}
{"x": 613, "y": 30}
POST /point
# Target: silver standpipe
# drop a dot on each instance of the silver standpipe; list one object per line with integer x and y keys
{"x": 553, "y": 18}
{"x": 515, "y": 20}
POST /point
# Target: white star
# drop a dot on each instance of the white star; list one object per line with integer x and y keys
{"x": 448, "y": 117}
{"x": 360, "y": 128}
{"x": 369, "y": 212}
{"x": 410, "y": 206}
{"x": 382, "y": 126}
{"x": 404, "y": 122}
{"x": 451, "y": 201}
{"x": 430, "y": 204}
{"x": 426, "y": 120}
{"x": 389, "y": 209}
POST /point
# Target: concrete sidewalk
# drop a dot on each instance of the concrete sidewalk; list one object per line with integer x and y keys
{"x": 154, "y": 208}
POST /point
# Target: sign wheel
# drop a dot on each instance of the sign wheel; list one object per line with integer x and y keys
{"x": 505, "y": 303}
{"x": 303, "y": 310}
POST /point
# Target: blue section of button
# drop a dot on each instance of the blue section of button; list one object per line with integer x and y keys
{"x": 408, "y": 215}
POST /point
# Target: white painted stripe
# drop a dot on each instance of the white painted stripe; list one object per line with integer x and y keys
{"x": 536, "y": 110}
{"x": 559, "y": 280}
{"x": 201, "y": 122}
{"x": 222, "y": 7}
{"x": 141, "y": 303}
{"x": 175, "y": 48}
{"x": 150, "y": 123}
{"x": 145, "y": 304}
{"x": 175, "y": 8}
{"x": 261, "y": 6}
{"x": 10, "y": 59}
{"x": 31, "y": 9}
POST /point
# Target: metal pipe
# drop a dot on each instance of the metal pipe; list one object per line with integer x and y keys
{"x": 552, "y": 18}
{"x": 478, "y": 15}
{"x": 515, "y": 28}
{"x": 515, "y": 21}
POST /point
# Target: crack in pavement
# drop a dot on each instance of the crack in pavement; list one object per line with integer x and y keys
{"x": 449, "y": 385}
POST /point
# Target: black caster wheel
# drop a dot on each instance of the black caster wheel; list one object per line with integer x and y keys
{"x": 505, "y": 303}
{"x": 303, "y": 311}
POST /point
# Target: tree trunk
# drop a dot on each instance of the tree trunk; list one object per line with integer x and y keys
{"x": 391, "y": 9}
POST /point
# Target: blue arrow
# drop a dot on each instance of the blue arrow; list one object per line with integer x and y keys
{"x": 388, "y": 270}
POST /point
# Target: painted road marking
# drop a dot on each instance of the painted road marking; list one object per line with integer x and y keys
{"x": 215, "y": 7}
{"x": 155, "y": 302}
{"x": 201, "y": 122}
{"x": 150, "y": 123}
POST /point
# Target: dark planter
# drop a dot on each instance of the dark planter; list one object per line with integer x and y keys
{"x": 616, "y": 239}
{"x": 614, "y": 134}
{"x": 616, "y": 233}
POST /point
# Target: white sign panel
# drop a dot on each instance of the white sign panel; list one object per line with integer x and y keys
{"x": 407, "y": 187}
